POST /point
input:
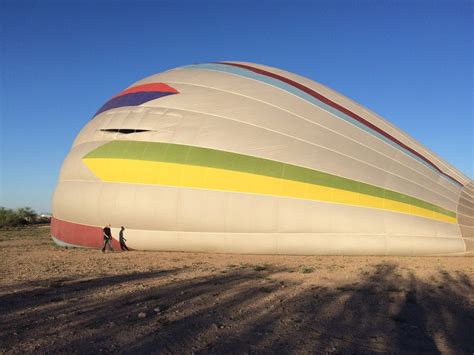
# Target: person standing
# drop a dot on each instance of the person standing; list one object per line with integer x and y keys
{"x": 107, "y": 238}
{"x": 122, "y": 240}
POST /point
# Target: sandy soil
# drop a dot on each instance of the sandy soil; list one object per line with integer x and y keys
{"x": 83, "y": 301}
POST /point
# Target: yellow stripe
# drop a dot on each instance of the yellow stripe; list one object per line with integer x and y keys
{"x": 150, "y": 172}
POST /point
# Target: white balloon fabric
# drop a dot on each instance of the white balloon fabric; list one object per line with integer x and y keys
{"x": 237, "y": 157}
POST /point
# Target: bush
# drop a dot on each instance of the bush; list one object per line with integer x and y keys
{"x": 306, "y": 269}
{"x": 17, "y": 217}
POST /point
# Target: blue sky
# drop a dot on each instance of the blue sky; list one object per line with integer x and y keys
{"x": 409, "y": 61}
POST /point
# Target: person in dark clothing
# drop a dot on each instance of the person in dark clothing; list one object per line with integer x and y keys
{"x": 122, "y": 240}
{"x": 107, "y": 238}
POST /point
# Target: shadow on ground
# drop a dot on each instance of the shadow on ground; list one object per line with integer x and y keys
{"x": 243, "y": 310}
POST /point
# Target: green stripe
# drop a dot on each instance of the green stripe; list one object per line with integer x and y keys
{"x": 183, "y": 154}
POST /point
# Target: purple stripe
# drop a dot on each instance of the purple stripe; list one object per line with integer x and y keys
{"x": 132, "y": 99}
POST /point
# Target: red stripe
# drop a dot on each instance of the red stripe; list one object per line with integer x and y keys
{"x": 339, "y": 108}
{"x": 161, "y": 87}
{"x": 79, "y": 234}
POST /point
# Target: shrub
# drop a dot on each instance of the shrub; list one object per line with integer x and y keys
{"x": 17, "y": 217}
{"x": 306, "y": 269}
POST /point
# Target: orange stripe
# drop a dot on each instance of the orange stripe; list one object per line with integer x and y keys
{"x": 161, "y": 87}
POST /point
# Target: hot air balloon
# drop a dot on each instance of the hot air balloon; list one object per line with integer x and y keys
{"x": 236, "y": 157}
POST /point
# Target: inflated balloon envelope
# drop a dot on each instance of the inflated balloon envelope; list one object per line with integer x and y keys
{"x": 244, "y": 158}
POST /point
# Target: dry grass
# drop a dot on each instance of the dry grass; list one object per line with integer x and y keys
{"x": 82, "y": 301}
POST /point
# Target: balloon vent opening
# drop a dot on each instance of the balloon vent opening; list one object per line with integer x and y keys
{"x": 124, "y": 130}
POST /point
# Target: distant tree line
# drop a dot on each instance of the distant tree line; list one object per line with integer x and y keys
{"x": 20, "y": 217}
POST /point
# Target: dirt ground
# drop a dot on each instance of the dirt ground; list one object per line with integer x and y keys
{"x": 82, "y": 301}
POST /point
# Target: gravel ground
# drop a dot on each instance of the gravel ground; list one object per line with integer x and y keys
{"x": 82, "y": 301}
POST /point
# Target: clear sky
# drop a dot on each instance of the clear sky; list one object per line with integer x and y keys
{"x": 409, "y": 61}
